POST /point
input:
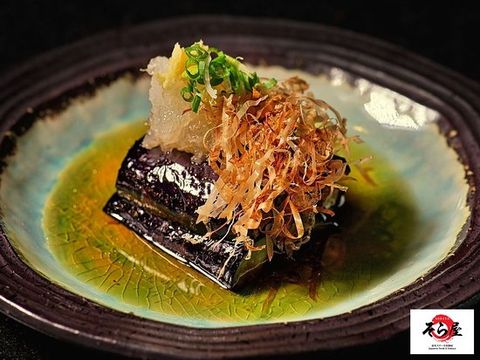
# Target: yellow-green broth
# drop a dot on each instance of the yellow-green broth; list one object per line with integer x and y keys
{"x": 374, "y": 238}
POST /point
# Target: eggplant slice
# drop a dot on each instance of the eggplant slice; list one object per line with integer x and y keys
{"x": 157, "y": 195}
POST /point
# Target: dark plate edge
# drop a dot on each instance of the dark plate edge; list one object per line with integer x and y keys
{"x": 438, "y": 74}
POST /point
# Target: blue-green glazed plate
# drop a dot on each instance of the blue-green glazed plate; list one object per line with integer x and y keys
{"x": 407, "y": 238}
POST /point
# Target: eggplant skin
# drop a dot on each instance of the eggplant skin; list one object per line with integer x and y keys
{"x": 168, "y": 183}
{"x": 224, "y": 262}
{"x": 157, "y": 195}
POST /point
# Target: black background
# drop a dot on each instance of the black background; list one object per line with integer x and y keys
{"x": 445, "y": 34}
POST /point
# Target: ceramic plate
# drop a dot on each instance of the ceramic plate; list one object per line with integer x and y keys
{"x": 407, "y": 238}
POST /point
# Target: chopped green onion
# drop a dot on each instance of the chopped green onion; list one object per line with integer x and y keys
{"x": 268, "y": 84}
{"x": 196, "y": 52}
{"x": 201, "y": 68}
{"x": 196, "y": 103}
{"x": 215, "y": 81}
{"x": 187, "y": 93}
{"x": 190, "y": 65}
{"x": 218, "y": 69}
{"x": 221, "y": 68}
{"x": 253, "y": 80}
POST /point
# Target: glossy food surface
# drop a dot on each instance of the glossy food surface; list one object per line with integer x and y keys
{"x": 393, "y": 230}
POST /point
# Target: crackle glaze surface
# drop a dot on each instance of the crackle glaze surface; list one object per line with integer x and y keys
{"x": 64, "y": 170}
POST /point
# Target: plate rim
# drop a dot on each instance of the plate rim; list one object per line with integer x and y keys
{"x": 297, "y": 336}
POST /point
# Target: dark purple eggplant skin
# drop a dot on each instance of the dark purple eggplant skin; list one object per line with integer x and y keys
{"x": 167, "y": 181}
{"x": 219, "y": 260}
{"x": 157, "y": 195}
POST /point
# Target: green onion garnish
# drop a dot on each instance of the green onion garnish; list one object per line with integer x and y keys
{"x": 268, "y": 84}
{"x": 187, "y": 94}
{"x": 196, "y": 52}
{"x": 222, "y": 69}
{"x": 196, "y": 103}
